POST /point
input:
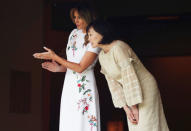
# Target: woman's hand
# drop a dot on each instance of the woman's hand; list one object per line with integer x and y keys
{"x": 132, "y": 114}
{"x": 53, "y": 67}
{"x": 135, "y": 111}
{"x": 49, "y": 55}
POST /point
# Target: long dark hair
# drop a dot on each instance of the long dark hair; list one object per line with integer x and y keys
{"x": 105, "y": 29}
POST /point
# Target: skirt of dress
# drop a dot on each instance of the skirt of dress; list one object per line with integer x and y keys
{"x": 79, "y": 110}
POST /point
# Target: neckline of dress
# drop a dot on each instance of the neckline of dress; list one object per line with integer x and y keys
{"x": 110, "y": 49}
{"x": 81, "y": 31}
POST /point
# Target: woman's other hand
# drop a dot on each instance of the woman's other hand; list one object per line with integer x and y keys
{"x": 49, "y": 55}
{"x": 132, "y": 114}
{"x": 53, "y": 67}
{"x": 135, "y": 111}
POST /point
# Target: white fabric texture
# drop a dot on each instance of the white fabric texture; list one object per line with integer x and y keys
{"x": 79, "y": 109}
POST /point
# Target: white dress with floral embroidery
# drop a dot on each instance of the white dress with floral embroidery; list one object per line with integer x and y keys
{"x": 79, "y": 109}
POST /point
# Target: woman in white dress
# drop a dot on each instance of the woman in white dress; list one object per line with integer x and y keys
{"x": 79, "y": 109}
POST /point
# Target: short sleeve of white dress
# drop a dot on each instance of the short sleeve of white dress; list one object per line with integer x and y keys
{"x": 91, "y": 49}
{"x": 94, "y": 50}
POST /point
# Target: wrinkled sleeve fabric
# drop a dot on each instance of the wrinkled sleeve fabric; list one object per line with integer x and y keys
{"x": 116, "y": 90}
{"x": 130, "y": 82}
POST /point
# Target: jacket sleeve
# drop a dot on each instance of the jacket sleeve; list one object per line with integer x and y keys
{"x": 116, "y": 91}
{"x": 130, "y": 82}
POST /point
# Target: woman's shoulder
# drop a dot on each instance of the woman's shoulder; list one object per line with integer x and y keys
{"x": 73, "y": 31}
{"x": 121, "y": 45}
{"x": 121, "y": 50}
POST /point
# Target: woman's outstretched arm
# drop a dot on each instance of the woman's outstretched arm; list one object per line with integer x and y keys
{"x": 87, "y": 60}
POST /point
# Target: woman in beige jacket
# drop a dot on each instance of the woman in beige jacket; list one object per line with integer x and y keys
{"x": 132, "y": 86}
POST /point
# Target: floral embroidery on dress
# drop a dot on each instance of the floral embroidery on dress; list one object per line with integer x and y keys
{"x": 92, "y": 121}
{"x": 82, "y": 104}
{"x": 73, "y": 43}
{"x": 81, "y": 83}
{"x": 68, "y": 47}
{"x": 86, "y": 93}
{"x": 74, "y": 48}
{"x": 85, "y": 102}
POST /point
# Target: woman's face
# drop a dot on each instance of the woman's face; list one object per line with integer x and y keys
{"x": 79, "y": 21}
{"x": 94, "y": 37}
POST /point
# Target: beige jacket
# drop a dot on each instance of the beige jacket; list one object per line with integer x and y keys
{"x": 124, "y": 73}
